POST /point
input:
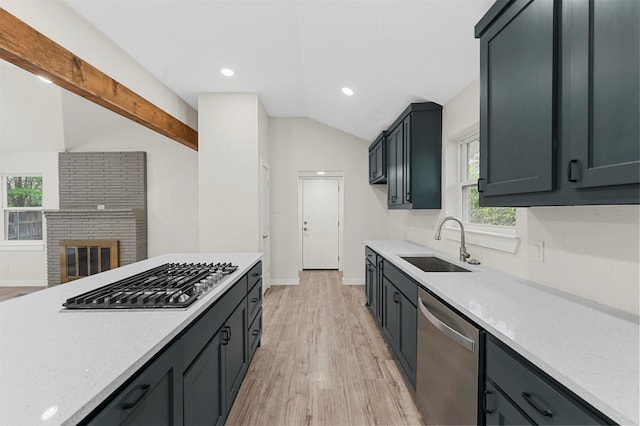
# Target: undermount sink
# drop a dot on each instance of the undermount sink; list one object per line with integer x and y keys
{"x": 433, "y": 264}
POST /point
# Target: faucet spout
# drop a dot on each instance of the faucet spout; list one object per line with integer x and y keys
{"x": 464, "y": 255}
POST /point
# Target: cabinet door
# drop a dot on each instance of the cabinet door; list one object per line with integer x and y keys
{"x": 372, "y": 165}
{"x": 406, "y": 160}
{"x": 517, "y": 95}
{"x": 381, "y": 163}
{"x": 203, "y": 384}
{"x": 407, "y": 343}
{"x": 153, "y": 398}
{"x": 368, "y": 284}
{"x": 235, "y": 342}
{"x": 602, "y": 91}
{"x": 395, "y": 152}
{"x": 378, "y": 290}
{"x": 499, "y": 411}
{"x": 390, "y": 313}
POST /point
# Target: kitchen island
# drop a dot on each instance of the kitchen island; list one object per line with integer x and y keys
{"x": 58, "y": 366}
{"x": 588, "y": 348}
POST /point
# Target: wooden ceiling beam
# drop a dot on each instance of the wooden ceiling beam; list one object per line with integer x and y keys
{"x": 25, "y": 47}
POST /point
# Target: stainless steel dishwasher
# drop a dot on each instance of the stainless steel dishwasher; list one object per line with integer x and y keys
{"x": 447, "y": 370}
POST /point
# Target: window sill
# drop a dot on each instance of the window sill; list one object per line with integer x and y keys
{"x": 22, "y": 246}
{"x": 506, "y": 241}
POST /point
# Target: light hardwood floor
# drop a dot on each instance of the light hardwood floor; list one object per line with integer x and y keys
{"x": 322, "y": 362}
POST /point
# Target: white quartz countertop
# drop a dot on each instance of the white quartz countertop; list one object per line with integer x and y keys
{"x": 590, "y": 349}
{"x": 56, "y": 367}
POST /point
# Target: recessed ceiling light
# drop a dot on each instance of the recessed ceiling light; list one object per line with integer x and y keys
{"x": 322, "y": 173}
{"x": 227, "y": 72}
{"x": 347, "y": 91}
{"x": 45, "y": 79}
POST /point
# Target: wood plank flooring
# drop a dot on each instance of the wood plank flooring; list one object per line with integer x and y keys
{"x": 7, "y": 293}
{"x": 322, "y": 362}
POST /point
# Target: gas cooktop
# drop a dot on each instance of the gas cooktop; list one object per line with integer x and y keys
{"x": 172, "y": 285}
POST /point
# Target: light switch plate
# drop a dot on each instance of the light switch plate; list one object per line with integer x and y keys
{"x": 536, "y": 251}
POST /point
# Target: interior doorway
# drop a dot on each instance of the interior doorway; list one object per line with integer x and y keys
{"x": 265, "y": 224}
{"x": 320, "y": 221}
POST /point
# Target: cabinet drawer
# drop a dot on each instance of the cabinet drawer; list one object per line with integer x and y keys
{"x": 370, "y": 255}
{"x": 403, "y": 283}
{"x": 203, "y": 328}
{"x": 254, "y": 274}
{"x": 255, "y": 333}
{"x": 545, "y": 402}
{"x": 254, "y": 300}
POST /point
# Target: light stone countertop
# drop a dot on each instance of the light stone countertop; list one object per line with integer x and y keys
{"x": 56, "y": 367}
{"x": 590, "y": 349}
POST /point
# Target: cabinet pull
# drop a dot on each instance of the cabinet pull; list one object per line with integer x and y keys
{"x": 395, "y": 297}
{"x": 479, "y": 186}
{"x": 407, "y": 197}
{"x": 545, "y": 412}
{"x": 254, "y": 300}
{"x": 255, "y": 274}
{"x": 484, "y": 402}
{"x": 143, "y": 391}
{"x": 570, "y": 169}
{"x": 255, "y": 332}
{"x": 226, "y": 335}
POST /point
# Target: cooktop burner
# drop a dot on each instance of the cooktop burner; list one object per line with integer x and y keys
{"x": 172, "y": 285}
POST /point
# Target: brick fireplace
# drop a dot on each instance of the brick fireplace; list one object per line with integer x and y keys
{"x": 102, "y": 197}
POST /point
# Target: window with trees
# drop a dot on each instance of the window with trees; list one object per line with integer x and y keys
{"x": 22, "y": 208}
{"x": 470, "y": 171}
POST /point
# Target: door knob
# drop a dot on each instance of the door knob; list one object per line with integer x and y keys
{"x": 265, "y": 236}
{"x": 305, "y": 229}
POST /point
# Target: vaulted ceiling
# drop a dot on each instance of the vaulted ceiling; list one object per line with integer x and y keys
{"x": 298, "y": 54}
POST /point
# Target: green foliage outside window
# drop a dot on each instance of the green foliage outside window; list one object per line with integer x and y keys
{"x": 24, "y": 191}
{"x": 499, "y": 216}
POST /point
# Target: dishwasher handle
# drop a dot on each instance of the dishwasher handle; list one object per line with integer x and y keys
{"x": 453, "y": 334}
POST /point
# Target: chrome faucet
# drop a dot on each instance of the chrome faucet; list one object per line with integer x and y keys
{"x": 464, "y": 255}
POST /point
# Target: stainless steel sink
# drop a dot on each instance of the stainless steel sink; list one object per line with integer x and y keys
{"x": 433, "y": 264}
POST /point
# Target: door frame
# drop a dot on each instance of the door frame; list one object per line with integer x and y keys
{"x": 313, "y": 174}
{"x": 262, "y": 242}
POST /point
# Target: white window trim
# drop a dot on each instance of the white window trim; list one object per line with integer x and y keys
{"x": 500, "y": 238}
{"x": 18, "y": 245}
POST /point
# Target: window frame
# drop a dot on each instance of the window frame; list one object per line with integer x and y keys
{"x": 497, "y": 237}
{"x": 4, "y": 208}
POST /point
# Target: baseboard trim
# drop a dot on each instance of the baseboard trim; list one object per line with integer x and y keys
{"x": 23, "y": 283}
{"x": 284, "y": 281}
{"x": 352, "y": 281}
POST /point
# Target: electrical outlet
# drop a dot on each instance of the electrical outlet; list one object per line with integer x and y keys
{"x": 536, "y": 251}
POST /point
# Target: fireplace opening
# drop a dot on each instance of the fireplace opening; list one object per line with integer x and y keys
{"x": 81, "y": 258}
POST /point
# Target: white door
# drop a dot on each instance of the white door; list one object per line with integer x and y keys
{"x": 265, "y": 225}
{"x": 320, "y": 229}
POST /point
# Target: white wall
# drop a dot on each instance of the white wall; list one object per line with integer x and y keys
{"x": 61, "y": 23}
{"x": 172, "y": 175}
{"x": 301, "y": 144}
{"x": 229, "y": 166}
{"x": 589, "y": 251}
{"x": 31, "y": 135}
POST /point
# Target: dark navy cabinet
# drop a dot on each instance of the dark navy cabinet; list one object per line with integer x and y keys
{"x": 196, "y": 378}
{"x": 414, "y": 164}
{"x": 378, "y": 160}
{"x": 558, "y": 121}
{"x": 399, "y": 318}
{"x": 373, "y": 291}
{"x": 517, "y": 391}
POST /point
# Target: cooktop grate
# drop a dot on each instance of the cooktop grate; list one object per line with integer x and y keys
{"x": 172, "y": 285}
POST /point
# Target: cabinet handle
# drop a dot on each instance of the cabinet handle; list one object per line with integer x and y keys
{"x": 545, "y": 412}
{"x": 570, "y": 169}
{"x": 255, "y": 332}
{"x": 484, "y": 402}
{"x": 479, "y": 188}
{"x": 407, "y": 197}
{"x": 226, "y": 335}
{"x": 254, "y": 300}
{"x": 255, "y": 274}
{"x": 395, "y": 297}
{"x": 143, "y": 391}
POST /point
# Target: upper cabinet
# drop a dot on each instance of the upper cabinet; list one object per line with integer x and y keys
{"x": 414, "y": 151}
{"x": 559, "y": 103}
{"x": 378, "y": 160}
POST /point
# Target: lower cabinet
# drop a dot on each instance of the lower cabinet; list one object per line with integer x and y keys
{"x": 195, "y": 380}
{"x": 399, "y": 322}
{"x": 517, "y": 391}
{"x": 154, "y": 397}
